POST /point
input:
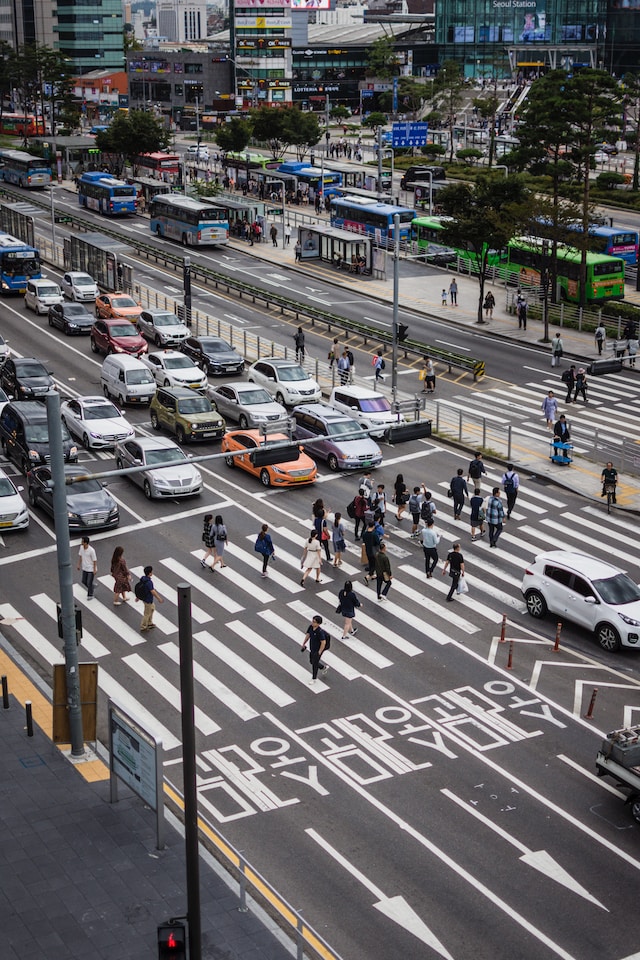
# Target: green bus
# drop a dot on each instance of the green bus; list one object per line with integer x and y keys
{"x": 426, "y": 235}
{"x": 527, "y": 258}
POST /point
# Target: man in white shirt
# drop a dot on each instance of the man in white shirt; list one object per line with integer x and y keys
{"x": 88, "y": 563}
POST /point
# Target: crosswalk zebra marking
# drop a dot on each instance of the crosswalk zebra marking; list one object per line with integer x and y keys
{"x": 115, "y": 621}
{"x": 378, "y": 630}
{"x": 441, "y": 585}
{"x": 254, "y": 560}
{"x": 217, "y": 597}
{"x": 232, "y": 574}
{"x": 273, "y": 652}
{"x": 168, "y": 592}
{"x": 168, "y": 691}
{"x": 576, "y": 518}
{"x": 242, "y": 667}
{"x": 371, "y": 655}
{"x": 215, "y": 687}
{"x": 296, "y": 635}
{"x": 567, "y": 534}
{"x": 89, "y": 643}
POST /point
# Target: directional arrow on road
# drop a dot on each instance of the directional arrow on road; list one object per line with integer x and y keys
{"x": 539, "y": 859}
{"x": 396, "y": 908}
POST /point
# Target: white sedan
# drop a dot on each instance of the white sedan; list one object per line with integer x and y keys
{"x": 95, "y": 421}
{"x": 173, "y": 369}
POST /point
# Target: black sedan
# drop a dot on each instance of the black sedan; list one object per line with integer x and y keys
{"x": 89, "y": 505}
{"x": 71, "y": 318}
{"x": 213, "y": 355}
{"x": 25, "y": 378}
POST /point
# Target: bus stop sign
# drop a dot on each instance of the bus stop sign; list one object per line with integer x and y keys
{"x": 409, "y": 134}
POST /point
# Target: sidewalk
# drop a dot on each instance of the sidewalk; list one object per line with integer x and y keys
{"x": 80, "y": 878}
{"x": 421, "y": 293}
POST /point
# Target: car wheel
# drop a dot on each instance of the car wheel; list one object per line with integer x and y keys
{"x": 167, "y": 383}
{"x": 33, "y": 500}
{"x": 280, "y": 399}
{"x": 158, "y": 340}
{"x": 50, "y": 321}
{"x": 608, "y": 637}
{"x": 147, "y": 489}
{"x": 265, "y": 479}
{"x": 635, "y": 809}
{"x": 536, "y": 604}
{"x": 155, "y": 423}
{"x": 94, "y": 346}
{"x": 230, "y": 461}
{"x": 85, "y": 441}
{"x": 332, "y": 462}
{"x": 105, "y": 390}
{"x": 243, "y": 423}
{"x": 180, "y": 437}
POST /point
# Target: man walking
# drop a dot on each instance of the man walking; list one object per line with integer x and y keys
{"x": 88, "y": 564}
{"x": 298, "y": 339}
{"x": 430, "y": 541}
{"x": 343, "y": 368}
{"x": 495, "y": 517}
{"x": 569, "y": 377}
{"x": 510, "y": 484}
{"x": 359, "y": 508}
{"x": 378, "y": 365}
{"x": 383, "y": 572}
{"x": 147, "y": 593}
{"x": 476, "y": 469}
{"x": 455, "y": 565}
{"x": 561, "y": 431}
{"x": 581, "y": 385}
{"x": 318, "y": 640}
{"x": 274, "y": 234}
{"x": 371, "y": 543}
{"x": 379, "y": 503}
{"x": 600, "y": 336}
{"x": 459, "y": 491}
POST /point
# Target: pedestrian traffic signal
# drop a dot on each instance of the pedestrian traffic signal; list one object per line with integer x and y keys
{"x": 403, "y": 329}
{"x": 267, "y": 456}
{"x": 172, "y": 941}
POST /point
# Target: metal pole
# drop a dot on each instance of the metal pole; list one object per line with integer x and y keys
{"x": 379, "y": 163}
{"x": 186, "y": 283}
{"x": 198, "y": 125}
{"x": 396, "y": 270}
{"x": 65, "y": 574}
{"x": 189, "y": 771}
{"x": 53, "y": 221}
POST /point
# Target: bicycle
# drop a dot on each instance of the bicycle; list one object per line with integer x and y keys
{"x": 610, "y": 490}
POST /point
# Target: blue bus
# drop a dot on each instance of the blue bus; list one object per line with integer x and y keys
{"x": 22, "y": 168}
{"x": 362, "y": 215}
{"x": 312, "y": 177}
{"x": 102, "y": 192}
{"x": 192, "y": 222}
{"x": 611, "y": 240}
{"x": 18, "y": 263}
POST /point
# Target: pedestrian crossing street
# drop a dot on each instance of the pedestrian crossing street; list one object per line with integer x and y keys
{"x": 613, "y": 408}
{"x": 247, "y": 630}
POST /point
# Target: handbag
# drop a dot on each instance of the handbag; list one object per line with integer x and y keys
{"x": 422, "y": 375}
{"x": 386, "y": 577}
{"x": 449, "y": 492}
{"x": 363, "y": 555}
{"x": 481, "y": 514}
{"x": 463, "y": 586}
{"x": 325, "y": 534}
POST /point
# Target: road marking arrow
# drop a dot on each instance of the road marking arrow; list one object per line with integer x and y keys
{"x": 539, "y": 859}
{"x": 396, "y": 908}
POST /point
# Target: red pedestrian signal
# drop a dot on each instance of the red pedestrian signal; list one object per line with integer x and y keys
{"x": 172, "y": 941}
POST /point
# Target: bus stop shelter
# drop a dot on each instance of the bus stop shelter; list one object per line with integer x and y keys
{"x": 100, "y": 257}
{"x": 332, "y": 245}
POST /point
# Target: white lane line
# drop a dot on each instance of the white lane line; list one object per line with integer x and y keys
{"x": 248, "y": 672}
{"x": 168, "y": 691}
{"x": 214, "y": 686}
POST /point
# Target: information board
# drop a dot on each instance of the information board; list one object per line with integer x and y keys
{"x": 409, "y": 134}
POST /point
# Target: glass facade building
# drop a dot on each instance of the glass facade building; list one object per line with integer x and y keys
{"x": 89, "y": 34}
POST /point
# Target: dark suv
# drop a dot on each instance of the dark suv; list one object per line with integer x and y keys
{"x": 25, "y": 378}
{"x": 417, "y": 174}
{"x": 186, "y": 414}
{"x": 24, "y": 435}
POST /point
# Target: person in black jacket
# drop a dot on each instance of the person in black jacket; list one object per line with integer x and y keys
{"x": 459, "y": 491}
{"x": 347, "y": 603}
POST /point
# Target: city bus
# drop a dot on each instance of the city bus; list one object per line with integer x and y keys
{"x": 256, "y": 161}
{"x": 361, "y": 215}
{"x": 22, "y": 168}
{"x": 426, "y": 236}
{"x": 18, "y": 263}
{"x": 22, "y": 125}
{"x": 102, "y": 192}
{"x": 162, "y": 166}
{"x": 527, "y": 260}
{"x": 610, "y": 240}
{"x": 313, "y": 179}
{"x": 191, "y": 222}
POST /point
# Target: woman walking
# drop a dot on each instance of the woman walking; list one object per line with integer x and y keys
{"x": 320, "y": 524}
{"x": 264, "y": 545}
{"x": 477, "y": 514}
{"x": 207, "y": 539}
{"x": 337, "y": 537}
{"x": 219, "y": 535}
{"x": 347, "y": 603}
{"x": 121, "y": 576}
{"x": 401, "y": 496}
{"x": 311, "y": 557}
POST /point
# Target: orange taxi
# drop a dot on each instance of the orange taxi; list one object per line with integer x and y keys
{"x": 118, "y": 305}
{"x": 302, "y": 470}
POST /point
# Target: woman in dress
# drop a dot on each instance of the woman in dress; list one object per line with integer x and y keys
{"x": 207, "y": 539}
{"x": 320, "y": 523}
{"x": 337, "y": 536}
{"x": 401, "y": 496}
{"x": 121, "y": 576}
{"x": 312, "y": 557}
{"x": 219, "y": 536}
{"x": 347, "y": 603}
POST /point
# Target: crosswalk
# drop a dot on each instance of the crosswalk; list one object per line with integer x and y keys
{"x": 247, "y": 631}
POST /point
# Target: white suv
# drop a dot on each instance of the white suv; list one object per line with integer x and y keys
{"x": 285, "y": 380}
{"x": 592, "y": 593}
{"x": 369, "y": 408}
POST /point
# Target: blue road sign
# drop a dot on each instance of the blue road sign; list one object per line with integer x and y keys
{"x": 409, "y": 134}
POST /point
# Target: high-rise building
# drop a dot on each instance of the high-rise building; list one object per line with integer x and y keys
{"x": 184, "y": 21}
{"x": 261, "y": 45}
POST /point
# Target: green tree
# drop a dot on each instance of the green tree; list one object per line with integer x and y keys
{"x": 447, "y": 89}
{"x": 234, "y": 136}
{"x": 304, "y": 130}
{"x": 487, "y": 108}
{"x": 374, "y": 120}
{"x": 631, "y": 93}
{"x": 412, "y": 95}
{"x": 129, "y": 136}
{"x": 129, "y": 39}
{"x": 340, "y": 112}
{"x": 382, "y": 61}
{"x": 485, "y": 217}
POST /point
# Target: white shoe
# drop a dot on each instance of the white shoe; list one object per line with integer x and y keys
{"x": 311, "y": 682}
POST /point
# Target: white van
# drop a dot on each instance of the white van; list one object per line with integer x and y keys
{"x": 195, "y": 152}
{"x": 369, "y": 408}
{"x": 42, "y": 294}
{"x": 127, "y": 380}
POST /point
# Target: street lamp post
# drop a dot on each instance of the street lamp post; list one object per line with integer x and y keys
{"x": 545, "y": 289}
{"x": 198, "y": 125}
{"x": 396, "y": 292}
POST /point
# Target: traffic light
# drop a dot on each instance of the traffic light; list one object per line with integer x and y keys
{"x": 403, "y": 329}
{"x": 172, "y": 941}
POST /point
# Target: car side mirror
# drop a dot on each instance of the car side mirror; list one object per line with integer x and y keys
{"x": 590, "y": 600}
{"x": 137, "y": 462}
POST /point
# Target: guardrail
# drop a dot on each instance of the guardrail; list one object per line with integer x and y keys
{"x": 242, "y": 289}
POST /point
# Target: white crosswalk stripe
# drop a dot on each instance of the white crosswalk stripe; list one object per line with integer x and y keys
{"x": 168, "y": 691}
{"x": 88, "y": 643}
{"x": 213, "y": 685}
{"x": 168, "y": 593}
{"x": 248, "y": 672}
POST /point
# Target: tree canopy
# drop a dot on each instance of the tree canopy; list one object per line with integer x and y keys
{"x": 285, "y": 127}
{"x": 234, "y": 136}
{"x": 382, "y": 60}
{"x": 128, "y": 136}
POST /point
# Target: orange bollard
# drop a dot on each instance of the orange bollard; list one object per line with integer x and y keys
{"x": 503, "y": 628}
{"x": 556, "y": 646}
{"x": 510, "y": 660}
{"x": 589, "y": 714}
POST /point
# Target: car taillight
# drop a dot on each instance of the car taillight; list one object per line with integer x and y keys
{"x": 528, "y": 573}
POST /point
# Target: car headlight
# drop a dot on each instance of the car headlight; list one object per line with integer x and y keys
{"x": 74, "y": 516}
{"x": 193, "y": 426}
{"x": 96, "y": 436}
{"x": 629, "y": 620}
{"x": 160, "y": 481}
{"x": 34, "y": 455}
{"x": 113, "y": 511}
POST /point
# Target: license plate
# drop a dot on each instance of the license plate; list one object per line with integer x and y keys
{"x": 93, "y": 523}
{"x": 209, "y": 433}
{"x": 366, "y": 463}
{"x": 5, "y": 523}
{"x": 301, "y": 479}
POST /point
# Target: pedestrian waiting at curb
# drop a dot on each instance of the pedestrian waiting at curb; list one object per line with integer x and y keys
{"x": 489, "y": 304}
{"x": 347, "y": 603}
{"x": 557, "y": 350}
{"x": 453, "y": 292}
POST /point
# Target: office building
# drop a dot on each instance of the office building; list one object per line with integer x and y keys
{"x": 184, "y": 21}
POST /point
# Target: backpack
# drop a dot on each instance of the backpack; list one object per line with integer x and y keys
{"x": 566, "y": 376}
{"x": 350, "y": 357}
{"x": 382, "y": 364}
{"x": 414, "y": 503}
{"x": 327, "y": 640}
{"x": 509, "y": 484}
{"x": 475, "y": 469}
{"x": 140, "y": 589}
{"x": 427, "y": 510}
{"x": 351, "y": 509}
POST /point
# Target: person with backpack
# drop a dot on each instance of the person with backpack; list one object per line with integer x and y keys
{"x": 476, "y": 505}
{"x": 359, "y": 506}
{"x": 264, "y": 546}
{"x": 581, "y": 385}
{"x": 458, "y": 491}
{"x": 298, "y": 339}
{"x": 569, "y": 377}
{"x": 427, "y": 507}
{"x": 476, "y": 469}
{"x": 347, "y": 603}
{"x": 147, "y": 593}
{"x": 510, "y": 485}
{"x": 319, "y": 641}
{"x": 378, "y": 365}
{"x": 600, "y": 337}
{"x": 415, "y": 503}
{"x": 220, "y": 538}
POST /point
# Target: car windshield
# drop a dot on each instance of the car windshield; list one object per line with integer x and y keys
{"x": 292, "y": 373}
{"x": 101, "y": 411}
{"x": 123, "y": 330}
{"x": 214, "y": 346}
{"x": 7, "y": 489}
{"x": 37, "y": 433}
{"x": 618, "y": 589}
{"x": 75, "y": 310}
{"x": 50, "y": 291}
{"x": 172, "y": 455}
{"x": 348, "y": 428}
{"x": 375, "y": 405}
{"x": 120, "y": 302}
{"x": 83, "y": 281}
{"x": 178, "y": 363}
{"x": 84, "y": 486}
{"x": 248, "y": 397}
{"x": 32, "y": 370}
{"x": 196, "y": 405}
{"x": 165, "y": 320}
{"x": 139, "y": 376}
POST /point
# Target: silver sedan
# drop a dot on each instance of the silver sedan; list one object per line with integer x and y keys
{"x": 246, "y": 403}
